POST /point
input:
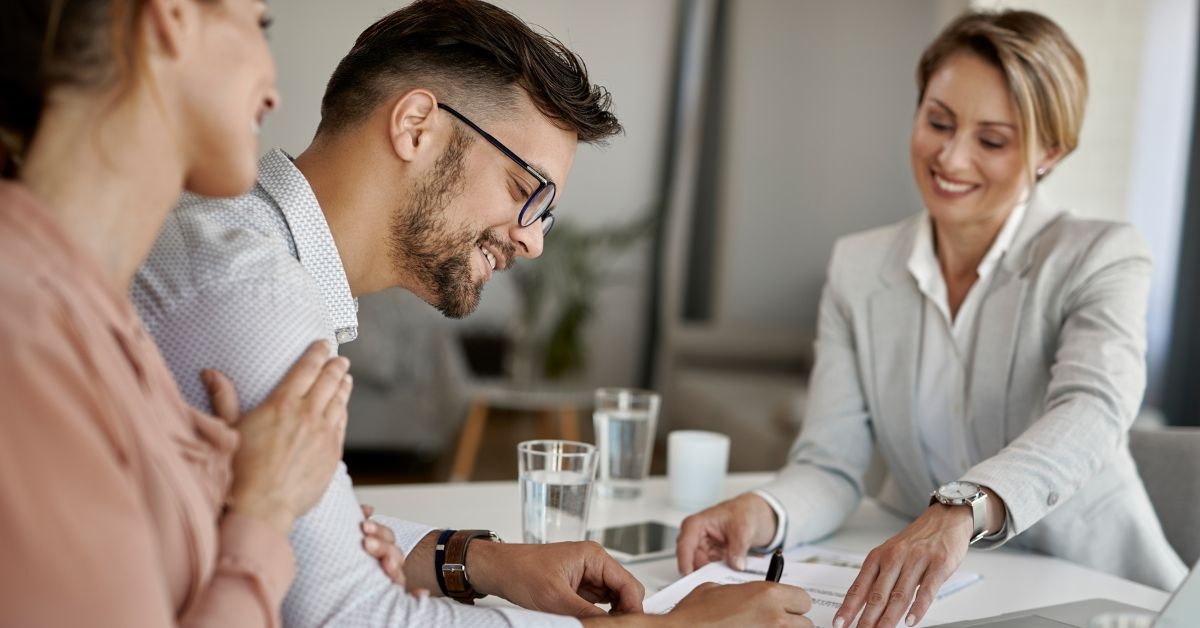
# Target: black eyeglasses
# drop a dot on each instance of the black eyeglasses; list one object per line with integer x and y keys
{"x": 537, "y": 206}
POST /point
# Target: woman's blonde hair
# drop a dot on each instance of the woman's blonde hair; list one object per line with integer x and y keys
{"x": 1045, "y": 73}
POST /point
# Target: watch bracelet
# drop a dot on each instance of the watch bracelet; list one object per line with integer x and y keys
{"x": 451, "y": 564}
{"x": 984, "y": 533}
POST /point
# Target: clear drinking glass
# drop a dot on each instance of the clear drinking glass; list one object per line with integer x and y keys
{"x": 556, "y": 489}
{"x": 624, "y": 420}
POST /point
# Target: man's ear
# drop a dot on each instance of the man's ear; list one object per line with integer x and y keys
{"x": 413, "y": 119}
{"x": 169, "y": 24}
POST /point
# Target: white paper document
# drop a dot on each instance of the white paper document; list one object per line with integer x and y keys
{"x": 825, "y": 573}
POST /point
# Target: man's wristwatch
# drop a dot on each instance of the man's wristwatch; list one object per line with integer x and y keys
{"x": 965, "y": 494}
{"x": 450, "y": 561}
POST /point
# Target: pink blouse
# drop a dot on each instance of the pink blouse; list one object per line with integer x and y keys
{"x": 111, "y": 487}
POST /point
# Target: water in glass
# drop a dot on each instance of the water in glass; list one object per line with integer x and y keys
{"x": 625, "y": 439}
{"x": 555, "y": 505}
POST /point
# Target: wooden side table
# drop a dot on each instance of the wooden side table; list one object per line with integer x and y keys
{"x": 556, "y": 412}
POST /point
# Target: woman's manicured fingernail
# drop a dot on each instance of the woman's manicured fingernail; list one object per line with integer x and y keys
{"x": 368, "y": 526}
{"x": 911, "y": 621}
{"x": 371, "y": 544}
{"x": 838, "y": 622}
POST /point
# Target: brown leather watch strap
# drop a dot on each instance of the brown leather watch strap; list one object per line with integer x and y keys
{"x": 454, "y": 568}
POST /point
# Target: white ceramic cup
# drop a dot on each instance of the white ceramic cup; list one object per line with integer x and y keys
{"x": 696, "y": 464}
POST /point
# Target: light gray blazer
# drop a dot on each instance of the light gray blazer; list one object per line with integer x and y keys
{"x": 1057, "y": 379}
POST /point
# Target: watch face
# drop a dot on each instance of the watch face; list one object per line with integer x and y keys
{"x": 958, "y": 490}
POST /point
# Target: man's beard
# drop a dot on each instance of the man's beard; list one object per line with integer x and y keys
{"x": 437, "y": 256}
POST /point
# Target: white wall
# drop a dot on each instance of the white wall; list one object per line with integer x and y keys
{"x": 819, "y": 101}
{"x": 1095, "y": 180}
{"x": 1158, "y": 177}
{"x": 1131, "y": 163}
{"x": 628, "y": 47}
{"x": 818, "y": 108}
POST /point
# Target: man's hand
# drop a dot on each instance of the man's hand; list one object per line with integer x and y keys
{"x": 924, "y": 555}
{"x": 561, "y": 578}
{"x": 746, "y": 604}
{"x": 380, "y": 543}
{"x": 725, "y": 531}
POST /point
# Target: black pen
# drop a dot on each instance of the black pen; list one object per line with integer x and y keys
{"x": 775, "y": 571}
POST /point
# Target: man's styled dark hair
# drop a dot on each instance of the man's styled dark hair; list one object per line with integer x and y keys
{"x": 472, "y": 55}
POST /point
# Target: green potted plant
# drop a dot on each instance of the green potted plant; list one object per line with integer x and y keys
{"x": 556, "y": 295}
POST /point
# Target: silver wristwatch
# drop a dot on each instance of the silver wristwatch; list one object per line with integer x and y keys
{"x": 964, "y": 494}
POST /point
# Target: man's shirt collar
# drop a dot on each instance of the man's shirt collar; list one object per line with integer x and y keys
{"x": 315, "y": 248}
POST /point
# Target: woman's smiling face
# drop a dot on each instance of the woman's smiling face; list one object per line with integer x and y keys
{"x": 967, "y": 156}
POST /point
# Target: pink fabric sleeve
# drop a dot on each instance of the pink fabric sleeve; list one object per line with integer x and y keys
{"x": 78, "y": 543}
{"x": 254, "y": 569}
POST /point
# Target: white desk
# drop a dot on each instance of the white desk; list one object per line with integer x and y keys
{"x": 1011, "y": 581}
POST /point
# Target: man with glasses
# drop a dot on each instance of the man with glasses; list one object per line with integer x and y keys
{"x": 540, "y": 200}
{"x": 396, "y": 190}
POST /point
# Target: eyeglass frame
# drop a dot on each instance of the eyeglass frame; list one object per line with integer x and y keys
{"x": 546, "y": 216}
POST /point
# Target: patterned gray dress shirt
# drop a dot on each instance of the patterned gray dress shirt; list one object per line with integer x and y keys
{"x": 244, "y": 285}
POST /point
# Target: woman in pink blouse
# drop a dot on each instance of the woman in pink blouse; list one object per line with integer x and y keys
{"x": 119, "y": 504}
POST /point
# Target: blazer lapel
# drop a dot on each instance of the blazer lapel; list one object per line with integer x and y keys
{"x": 995, "y": 342}
{"x": 895, "y": 324}
{"x": 996, "y": 335}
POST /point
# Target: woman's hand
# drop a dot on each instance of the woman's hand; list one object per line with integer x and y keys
{"x": 725, "y": 531}
{"x": 291, "y": 443}
{"x": 380, "y": 543}
{"x": 923, "y": 555}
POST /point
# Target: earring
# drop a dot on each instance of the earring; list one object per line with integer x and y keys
{"x": 1041, "y": 171}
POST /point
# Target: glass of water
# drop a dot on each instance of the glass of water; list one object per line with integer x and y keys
{"x": 624, "y": 419}
{"x": 556, "y": 489}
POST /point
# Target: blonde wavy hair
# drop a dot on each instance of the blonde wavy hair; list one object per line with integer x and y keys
{"x": 1045, "y": 73}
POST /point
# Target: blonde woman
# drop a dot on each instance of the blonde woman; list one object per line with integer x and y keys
{"x": 991, "y": 348}
{"x": 120, "y": 505}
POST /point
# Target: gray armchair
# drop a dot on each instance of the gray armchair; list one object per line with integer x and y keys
{"x": 409, "y": 377}
{"x": 1168, "y": 460}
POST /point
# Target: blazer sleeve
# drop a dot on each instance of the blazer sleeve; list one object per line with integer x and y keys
{"x": 1096, "y": 384}
{"x": 822, "y": 483}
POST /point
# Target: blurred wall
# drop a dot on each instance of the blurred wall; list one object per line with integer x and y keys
{"x": 818, "y": 105}
{"x": 628, "y": 46}
{"x": 818, "y": 108}
{"x": 1133, "y": 153}
{"x": 1095, "y": 180}
{"x": 1163, "y": 143}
